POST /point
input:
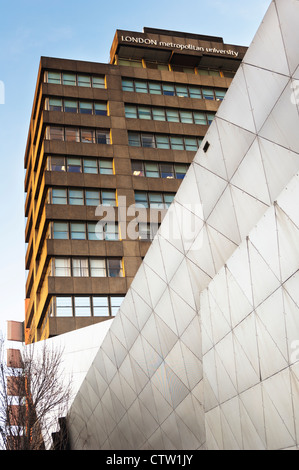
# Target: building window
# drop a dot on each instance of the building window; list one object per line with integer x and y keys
{"x": 62, "y": 267}
{"x": 97, "y": 268}
{"x": 64, "y": 307}
{"x": 162, "y": 141}
{"x": 172, "y": 89}
{"x": 86, "y": 306}
{"x": 80, "y": 267}
{"x": 169, "y": 114}
{"x": 77, "y": 231}
{"x": 114, "y": 268}
{"x": 75, "y": 106}
{"x": 72, "y": 134}
{"x": 73, "y": 79}
{"x": 103, "y": 166}
{"x": 80, "y": 197}
{"x": 147, "y": 231}
{"x": 84, "y": 231}
{"x": 153, "y": 200}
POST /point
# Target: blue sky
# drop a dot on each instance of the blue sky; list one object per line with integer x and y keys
{"x": 84, "y": 31}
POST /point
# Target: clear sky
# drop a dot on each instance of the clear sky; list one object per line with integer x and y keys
{"x": 81, "y": 30}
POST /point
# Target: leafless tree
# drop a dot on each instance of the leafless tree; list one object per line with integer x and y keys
{"x": 34, "y": 396}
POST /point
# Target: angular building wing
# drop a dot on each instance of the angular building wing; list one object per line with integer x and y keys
{"x": 203, "y": 353}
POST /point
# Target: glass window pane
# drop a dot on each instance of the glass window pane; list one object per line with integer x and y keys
{"x": 168, "y": 90}
{"x": 167, "y": 170}
{"x": 131, "y": 112}
{"x": 91, "y": 228}
{"x": 60, "y": 230}
{"x": 108, "y": 198}
{"x": 106, "y": 167}
{"x": 200, "y": 118}
{"x": 152, "y": 170}
{"x": 158, "y": 114}
{"x": 156, "y": 200}
{"x": 127, "y": 85}
{"x": 148, "y": 140}
{"x": 137, "y": 168}
{"x": 172, "y": 115}
{"x": 97, "y": 267}
{"x": 115, "y": 304}
{"x": 162, "y": 142}
{"x": 82, "y": 307}
{"x": 74, "y": 165}
{"x": 80, "y": 267}
{"x": 85, "y": 107}
{"x": 195, "y": 92}
{"x": 55, "y": 104}
{"x": 144, "y": 231}
{"x": 210, "y": 117}
{"x": 92, "y": 198}
{"x": 102, "y": 137}
{"x": 180, "y": 170}
{"x": 69, "y": 79}
{"x": 90, "y": 166}
{"x": 76, "y": 197}
{"x": 70, "y": 106}
{"x": 208, "y": 93}
{"x": 134, "y": 139}
{"x": 177, "y": 143}
{"x": 87, "y": 136}
{"x": 154, "y": 88}
{"x": 191, "y": 144}
{"x": 111, "y": 231}
{"x": 57, "y": 163}
{"x": 100, "y": 109}
{"x": 140, "y": 86}
{"x": 114, "y": 268}
{"x": 181, "y": 91}
{"x": 55, "y": 133}
{"x": 64, "y": 307}
{"x": 72, "y": 134}
{"x": 141, "y": 199}
{"x": 54, "y": 77}
{"x": 168, "y": 198}
{"x": 84, "y": 80}
{"x": 100, "y": 306}
{"x": 59, "y": 196}
{"x": 77, "y": 231}
{"x": 220, "y": 94}
{"x": 144, "y": 113}
{"x": 98, "y": 82}
{"x": 62, "y": 267}
{"x": 186, "y": 117}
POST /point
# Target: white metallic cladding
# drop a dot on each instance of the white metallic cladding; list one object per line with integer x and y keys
{"x": 200, "y": 355}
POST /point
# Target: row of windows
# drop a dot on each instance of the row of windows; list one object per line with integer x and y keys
{"x": 169, "y": 114}
{"x": 173, "y": 89}
{"x": 74, "y": 134}
{"x": 153, "y": 200}
{"x": 88, "y": 306}
{"x": 87, "y": 267}
{"x": 162, "y": 141}
{"x": 159, "y": 169}
{"x": 74, "y": 79}
{"x": 75, "y": 106}
{"x": 139, "y": 63}
{"x": 83, "y": 231}
{"x": 89, "y": 231}
{"x": 82, "y": 197}
{"x": 102, "y": 166}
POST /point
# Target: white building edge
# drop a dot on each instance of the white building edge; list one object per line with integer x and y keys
{"x": 204, "y": 351}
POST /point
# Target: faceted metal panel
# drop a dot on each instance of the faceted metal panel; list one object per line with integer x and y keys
{"x": 204, "y": 351}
